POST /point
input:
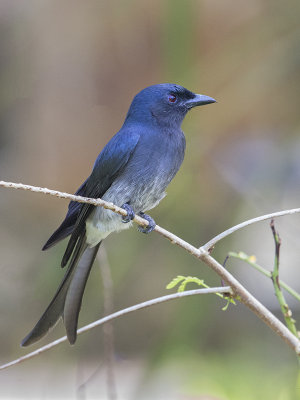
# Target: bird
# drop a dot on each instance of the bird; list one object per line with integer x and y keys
{"x": 132, "y": 171}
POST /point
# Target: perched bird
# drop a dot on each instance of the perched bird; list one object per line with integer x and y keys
{"x": 132, "y": 171}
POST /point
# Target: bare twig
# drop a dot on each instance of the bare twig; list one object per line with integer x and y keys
{"x": 209, "y": 245}
{"x": 286, "y": 312}
{"x": 64, "y": 195}
{"x": 118, "y": 314}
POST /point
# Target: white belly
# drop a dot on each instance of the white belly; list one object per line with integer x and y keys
{"x": 141, "y": 196}
{"x": 101, "y": 223}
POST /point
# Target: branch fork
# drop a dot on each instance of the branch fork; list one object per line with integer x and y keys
{"x": 202, "y": 253}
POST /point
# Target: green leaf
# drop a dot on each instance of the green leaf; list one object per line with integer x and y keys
{"x": 182, "y": 286}
{"x": 174, "y": 282}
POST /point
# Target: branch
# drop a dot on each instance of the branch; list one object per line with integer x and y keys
{"x": 109, "y": 206}
{"x": 202, "y": 254}
{"x": 118, "y": 314}
{"x": 64, "y": 195}
{"x": 209, "y": 245}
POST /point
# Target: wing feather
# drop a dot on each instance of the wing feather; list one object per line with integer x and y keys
{"x": 108, "y": 165}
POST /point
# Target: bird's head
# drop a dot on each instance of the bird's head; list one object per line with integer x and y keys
{"x": 164, "y": 104}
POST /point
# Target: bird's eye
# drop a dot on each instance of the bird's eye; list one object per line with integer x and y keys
{"x": 172, "y": 98}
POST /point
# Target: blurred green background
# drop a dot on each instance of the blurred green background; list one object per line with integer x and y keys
{"x": 68, "y": 72}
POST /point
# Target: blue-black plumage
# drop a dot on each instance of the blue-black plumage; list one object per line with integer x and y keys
{"x": 132, "y": 171}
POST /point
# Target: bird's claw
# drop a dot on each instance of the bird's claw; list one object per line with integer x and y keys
{"x": 149, "y": 228}
{"x": 130, "y": 213}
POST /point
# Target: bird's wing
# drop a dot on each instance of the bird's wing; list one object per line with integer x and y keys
{"x": 66, "y": 227}
{"x": 109, "y": 164}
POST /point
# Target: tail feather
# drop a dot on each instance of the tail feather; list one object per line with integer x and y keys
{"x": 55, "y": 310}
{"x": 75, "y": 292}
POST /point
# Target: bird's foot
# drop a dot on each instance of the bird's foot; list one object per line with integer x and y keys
{"x": 130, "y": 213}
{"x": 149, "y": 228}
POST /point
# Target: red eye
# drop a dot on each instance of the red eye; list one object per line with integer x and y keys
{"x": 172, "y": 98}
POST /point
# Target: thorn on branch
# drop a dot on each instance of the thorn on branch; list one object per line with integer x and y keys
{"x": 210, "y": 250}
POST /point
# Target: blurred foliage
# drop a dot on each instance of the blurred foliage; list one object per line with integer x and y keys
{"x": 68, "y": 72}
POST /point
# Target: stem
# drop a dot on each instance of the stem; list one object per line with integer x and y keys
{"x": 286, "y": 312}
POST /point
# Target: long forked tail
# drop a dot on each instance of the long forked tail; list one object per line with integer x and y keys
{"x": 66, "y": 302}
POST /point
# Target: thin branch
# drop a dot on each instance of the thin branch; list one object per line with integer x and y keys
{"x": 64, "y": 195}
{"x": 286, "y": 312}
{"x": 249, "y": 259}
{"x": 202, "y": 254}
{"x": 118, "y": 314}
{"x": 110, "y": 206}
{"x": 209, "y": 245}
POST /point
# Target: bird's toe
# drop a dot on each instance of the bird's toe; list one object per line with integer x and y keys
{"x": 130, "y": 213}
{"x": 150, "y": 227}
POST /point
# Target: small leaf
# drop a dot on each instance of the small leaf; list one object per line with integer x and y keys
{"x": 182, "y": 286}
{"x": 174, "y": 282}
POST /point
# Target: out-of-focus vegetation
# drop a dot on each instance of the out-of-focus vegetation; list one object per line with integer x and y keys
{"x": 68, "y": 71}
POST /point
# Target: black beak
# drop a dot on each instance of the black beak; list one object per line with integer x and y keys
{"x": 199, "y": 100}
